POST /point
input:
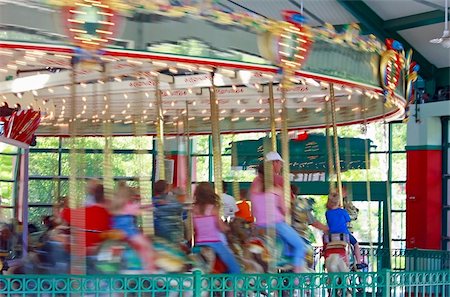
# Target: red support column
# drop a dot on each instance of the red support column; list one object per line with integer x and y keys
{"x": 424, "y": 198}
{"x": 179, "y": 174}
{"x": 175, "y": 149}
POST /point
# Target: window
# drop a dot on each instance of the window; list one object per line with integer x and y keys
{"x": 49, "y": 168}
{"x": 397, "y": 183}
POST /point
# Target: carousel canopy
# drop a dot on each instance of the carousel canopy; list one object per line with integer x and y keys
{"x": 188, "y": 53}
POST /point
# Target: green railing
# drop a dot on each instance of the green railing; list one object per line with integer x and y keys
{"x": 401, "y": 259}
{"x": 385, "y": 283}
{"x": 414, "y": 259}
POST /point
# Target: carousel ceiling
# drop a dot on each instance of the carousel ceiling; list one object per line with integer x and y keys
{"x": 120, "y": 86}
{"x": 125, "y": 95}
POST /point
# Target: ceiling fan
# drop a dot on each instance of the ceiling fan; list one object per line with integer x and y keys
{"x": 445, "y": 39}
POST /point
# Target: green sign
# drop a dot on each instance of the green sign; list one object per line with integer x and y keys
{"x": 307, "y": 156}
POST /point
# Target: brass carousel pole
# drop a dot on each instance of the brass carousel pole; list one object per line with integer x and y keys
{"x": 189, "y": 225}
{"x": 188, "y": 153}
{"x": 329, "y": 147}
{"x": 159, "y": 131}
{"x": 108, "y": 179}
{"x": 273, "y": 131}
{"x": 386, "y": 232}
{"x": 215, "y": 129}
{"x": 159, "y": 145}
{"x": 144, "y": 182}
{"x": 285, "y": 153}
{"x": 269, "y": 177}
{"x": 336, "y": 143}
{"x": 268, "y": 171}
{"x": 76, "y": 189}
{"x": 234, "y": 160}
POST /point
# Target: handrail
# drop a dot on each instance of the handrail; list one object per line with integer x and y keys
{"x": 384, "y": 283}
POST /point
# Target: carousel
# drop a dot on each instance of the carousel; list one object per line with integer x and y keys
{"x": 300, "y": 78}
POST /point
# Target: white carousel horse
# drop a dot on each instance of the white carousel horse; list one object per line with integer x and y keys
{"x": 336, "y": 253}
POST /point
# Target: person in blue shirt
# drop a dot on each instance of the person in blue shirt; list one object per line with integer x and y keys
{"x": 337, "y": 220}
{"x": 167, "y": 212}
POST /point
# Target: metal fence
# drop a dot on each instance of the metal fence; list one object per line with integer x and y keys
{"x": 385, "y": 283}
{"x": 400, "y": 259}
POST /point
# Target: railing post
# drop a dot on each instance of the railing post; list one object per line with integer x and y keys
{"x": 414, "y": 254}
{"x": 197, "y": 283}
{"x": 387, "y": 289}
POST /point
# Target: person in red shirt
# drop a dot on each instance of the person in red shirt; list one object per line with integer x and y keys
{"x": 244, "y": 209}
{"x": 98, "y": 219}
{"x": 63, "y": 211}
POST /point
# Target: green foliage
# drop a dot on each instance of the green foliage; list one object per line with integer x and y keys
{"x": 36, "y": 214}
{"x": 7, "y": 170}
{"x": 6, "y": 193}
{"x": 42, "y": 191}
{"x": 47, "y": 142}
{"x": 8, "y": 165}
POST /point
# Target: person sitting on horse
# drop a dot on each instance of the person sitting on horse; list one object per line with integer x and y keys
{"x": 167, "y": 212}
{"x": 337, "y": 220}
{"x": 125, "y": 208}
{"x": 229, "y": 204}
{"x": 244, "y": 209}
{"x": 208, "y": 226}
{"x": 269, "y": 210}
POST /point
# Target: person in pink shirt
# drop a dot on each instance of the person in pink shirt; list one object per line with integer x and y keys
{"x": 269, "y": 209}
{"x": 208, "y": 226}
{"x": 124, "y": 209}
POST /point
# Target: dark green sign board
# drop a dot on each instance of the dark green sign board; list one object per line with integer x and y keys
{"x": 307, "y": 156}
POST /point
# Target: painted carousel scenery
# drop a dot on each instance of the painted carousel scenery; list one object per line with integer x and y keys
{"x": 223, "y": 148}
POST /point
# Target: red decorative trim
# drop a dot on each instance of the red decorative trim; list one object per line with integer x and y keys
{"x": 21, "y": 125}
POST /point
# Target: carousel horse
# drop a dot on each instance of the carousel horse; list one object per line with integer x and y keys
{"x": 336, "y": 249}
{"x": 336, "y": 252}
{"x": 352, "y": 210}
{"x": 302, "y": 217}
{"x": 339, "y": 257}
{"x": 340, "y": 252}
{"x": 257, "y": 241}
{"x": 237, "y": 238}
{"x": 113, "y": 256}
{"x": 118, "y": 256}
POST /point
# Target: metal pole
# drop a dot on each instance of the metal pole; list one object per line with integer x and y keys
{"x": 329, "y": 148}
{"x": 285, "y": 153}
{"x": 234, "y": 160}
{"x": 108, "y": 180}
{"x": 273, "y": 131}
{"x": 140, "y": 130}
{"x": 188, "y": 153}
{"x": 189, "y": 234}
{"x": 23, "y": 196}
{"x": 217, "y": 154}
{"x": 269, "y": 176}
{"x": 336, "y": 144}
{"x": 159, "y": 131}
{"x": 76, "y": 190}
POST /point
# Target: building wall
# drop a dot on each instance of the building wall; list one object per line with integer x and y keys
{"x": 424, "y": 177}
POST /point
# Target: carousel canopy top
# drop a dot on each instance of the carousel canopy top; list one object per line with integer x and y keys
{"x": 81, "y": 75}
